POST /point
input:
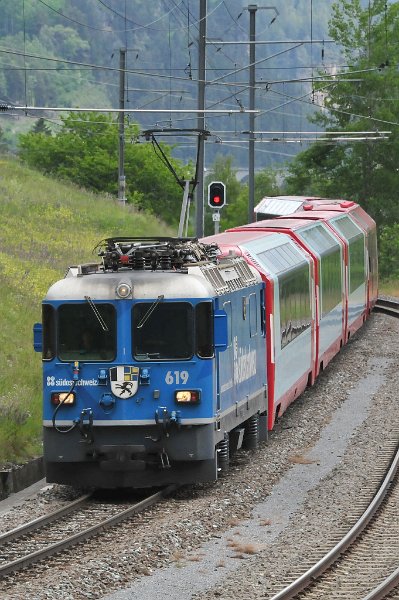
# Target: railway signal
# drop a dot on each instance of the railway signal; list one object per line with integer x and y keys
{"x": 216, "y": 194}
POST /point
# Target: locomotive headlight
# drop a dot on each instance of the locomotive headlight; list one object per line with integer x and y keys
{"x": 123, "y": 290}
{"x": 63, "y": 398}
{"x": 187, "y": 396}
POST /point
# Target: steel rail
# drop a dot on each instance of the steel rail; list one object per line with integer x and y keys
{"x": 14, "y": 534}
{"x": 52, "y": 549}
{"x": 388, "y": 307}
{"x": 307, "y": 578}
{"x": 385, "y": 587}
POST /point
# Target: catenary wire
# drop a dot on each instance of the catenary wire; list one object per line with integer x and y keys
{"x": 105, "y": 30}
{"x": 116, "y": 69}
{"x": 138, "y": 26}
{"x": 331, "y": 108}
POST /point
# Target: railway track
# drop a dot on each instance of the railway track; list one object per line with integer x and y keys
{"x": 388, "y": 307}
{"x": 350, "y": 569}
{"x": 13, "y": 556}
{"x": 47, "y": 536}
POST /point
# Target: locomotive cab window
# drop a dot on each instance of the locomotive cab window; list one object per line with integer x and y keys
{"x": 163, "y": 330}
{"x": 81, "y": 335}
{"x": 204, "y": 330}
{"x": 48, "y": 320}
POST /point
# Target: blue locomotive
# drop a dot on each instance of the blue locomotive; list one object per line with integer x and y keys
{"x": 153, "y": 365}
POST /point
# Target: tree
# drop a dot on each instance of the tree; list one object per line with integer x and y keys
{"x": 367, "y": 171}
{"x": 266, "y": 184}
{"x": 85, "y": 151}
{"x": 389, "y": 251}
{"x": 41, "y": 127}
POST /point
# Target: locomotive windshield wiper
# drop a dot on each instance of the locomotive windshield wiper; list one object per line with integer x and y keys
{"x": 150, "y": 311}
{"x": 103, "y": 324}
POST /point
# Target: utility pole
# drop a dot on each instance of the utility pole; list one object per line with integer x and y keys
{"x": 199, "y": 214}
{"x": 121, "y": 118}
{"x": 252, "y": 8}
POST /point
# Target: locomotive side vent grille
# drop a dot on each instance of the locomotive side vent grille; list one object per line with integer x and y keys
{"x": 234, "y": 285}
{"x": 245, "y": 273}
{"x": 212, "y": 274}
{"x": 229, "y": 276}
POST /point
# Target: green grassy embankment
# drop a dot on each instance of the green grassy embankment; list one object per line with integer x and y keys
{"x": 389, "y": 288}
{"x": 45, "y": 226}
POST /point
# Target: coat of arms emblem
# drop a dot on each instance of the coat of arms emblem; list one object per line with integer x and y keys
{"x": 124, "y": 381}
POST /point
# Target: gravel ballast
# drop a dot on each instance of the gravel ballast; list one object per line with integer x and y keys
{"x": 236, "y": 537}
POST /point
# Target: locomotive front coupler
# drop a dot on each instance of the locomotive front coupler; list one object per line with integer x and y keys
{"x": 85, "y": 426}
{"x": 164, "y": 420}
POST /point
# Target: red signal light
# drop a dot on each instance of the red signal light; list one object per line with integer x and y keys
{"x": 216, "y": 194}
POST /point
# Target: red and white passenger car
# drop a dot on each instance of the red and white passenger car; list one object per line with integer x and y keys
{"x": 320, "y": 269}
